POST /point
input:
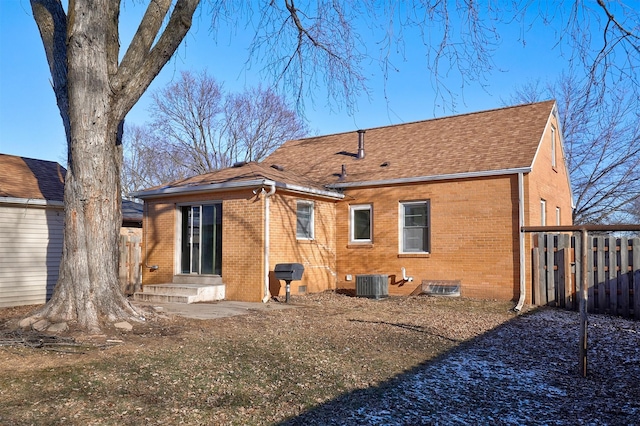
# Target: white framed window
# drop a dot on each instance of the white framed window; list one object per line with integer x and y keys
{"x": 415, "y": 233}
{"x": 558, "y": 216}
{"x": 553, "y": 146}
{"x": 360, "y": 220}
{"x": 543, "y": 212}
{"x": 304, "y": 220}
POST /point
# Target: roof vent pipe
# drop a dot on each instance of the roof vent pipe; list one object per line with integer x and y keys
{"x": 343, "y": 173}
{"x": 361, "y": 144}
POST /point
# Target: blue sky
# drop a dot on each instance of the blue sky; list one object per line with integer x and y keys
{"x": 30, "y": 124}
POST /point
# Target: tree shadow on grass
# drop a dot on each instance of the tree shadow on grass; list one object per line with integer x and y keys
{"x": 524, "y": 371}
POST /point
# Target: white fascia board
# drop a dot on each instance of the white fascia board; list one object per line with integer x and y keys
{"x": 564, "y": 157}
{"x": 31, "y": 202}
{"x": 313, "y": 191}
{"x": 420, "y": 179}
{"x": 230, "y": 186}
{"x": 178, "y": 190}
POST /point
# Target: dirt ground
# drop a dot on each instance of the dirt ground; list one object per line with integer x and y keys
{"x": 333, "y": 359}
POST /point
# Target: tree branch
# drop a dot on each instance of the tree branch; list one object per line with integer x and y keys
{"x": 132, "y": 83}
{"x": 142, "y": 40}
{"x": 52, "y": 24}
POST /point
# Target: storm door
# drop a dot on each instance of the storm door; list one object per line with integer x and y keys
{"x": 201, "y": 251}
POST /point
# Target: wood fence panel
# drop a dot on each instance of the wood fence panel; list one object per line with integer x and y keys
{"x": 612, "y": 279}
{"x": 560, "y": 275}
{"x": 636, "y": 278}
{"x": 550, "y": 262}
{"x": 591, "y": 276}
{"x": 537, "y": 282}
{"x": 570, "y": 288}
{"x": 624, "y": 277}
{"x": 564, "y": 270}
{"x": 577, "y": 272}
{"x": 130, "y": 263}
{"x": 542, "y": 272}
{"x": 135, "y": 277}
{"x": 123, "y": 261}
{"x": 600, "y": 274}
{"x": 613, "y": 272}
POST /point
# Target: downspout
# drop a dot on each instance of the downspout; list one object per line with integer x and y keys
{"x": 523, "y": 292}
{"x": 272, "y": 191}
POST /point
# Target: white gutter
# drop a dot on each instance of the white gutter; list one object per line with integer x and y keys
{"x": 233, "y": 185}
{"x": 418, "y": 179}
{"x": 267, "y": 195}
{"x": 200, "y": 188}
{"x": 518, "y": 307}
{"x": 313, "y": 191}
{"x": 31, "y": 202}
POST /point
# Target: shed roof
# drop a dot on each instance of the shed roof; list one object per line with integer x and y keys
{"x": 132, "y": 211}
{"x": 486, "y": 141}
{"x": 31, "y": 179}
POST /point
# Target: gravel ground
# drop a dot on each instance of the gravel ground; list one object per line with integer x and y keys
{"x": 523, "y": 372}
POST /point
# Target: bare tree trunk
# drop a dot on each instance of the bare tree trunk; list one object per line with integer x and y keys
{"x": 88, "y": 288}
{"x": 94, "y": 94}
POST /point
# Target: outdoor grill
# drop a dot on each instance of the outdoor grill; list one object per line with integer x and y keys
{"x": 289, "y": 272}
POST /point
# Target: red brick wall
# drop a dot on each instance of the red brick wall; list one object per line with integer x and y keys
{"x": 549, "y": 183}
{"x": 242, "y": 241}
{"x": 474, "y": 229}
{"x": 473, "y": 236}
{"x": 316, "y": 255}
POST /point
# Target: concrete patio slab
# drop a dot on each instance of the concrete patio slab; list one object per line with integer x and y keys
{"x": 213, "y": 310}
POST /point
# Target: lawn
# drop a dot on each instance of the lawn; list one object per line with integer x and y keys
{"x": 260, "y": 368}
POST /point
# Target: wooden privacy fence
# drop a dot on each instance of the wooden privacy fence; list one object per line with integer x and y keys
{"x": 613, "y": 266}
{"x": 130, "y": 263}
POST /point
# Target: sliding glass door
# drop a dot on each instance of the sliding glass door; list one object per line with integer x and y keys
{"x": 201, "y": 251}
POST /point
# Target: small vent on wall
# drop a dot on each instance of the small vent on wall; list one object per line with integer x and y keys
{"x": 372, "y": 286}
{"x": 302, "y": 289}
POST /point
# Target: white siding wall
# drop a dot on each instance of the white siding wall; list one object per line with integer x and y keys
{"x": 30, "y": 252}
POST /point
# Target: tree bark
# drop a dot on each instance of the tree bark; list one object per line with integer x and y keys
{"x": 94, "y": 94}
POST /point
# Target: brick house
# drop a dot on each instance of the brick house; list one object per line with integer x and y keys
{"x": 439, "y": 199}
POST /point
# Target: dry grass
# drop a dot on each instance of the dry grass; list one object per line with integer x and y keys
{"x": 261, "y": 368}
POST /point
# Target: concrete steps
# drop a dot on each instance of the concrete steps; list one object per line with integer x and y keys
{"x": 191, "y": 292}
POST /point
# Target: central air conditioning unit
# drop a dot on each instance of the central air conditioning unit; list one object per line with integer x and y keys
{"x": 372, "y": 286}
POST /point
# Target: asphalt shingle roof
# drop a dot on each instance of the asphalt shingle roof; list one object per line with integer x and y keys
{"x": 31, "y": 179}
{"x": 494, "y": 140}
{"x": 241, "y": 173}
